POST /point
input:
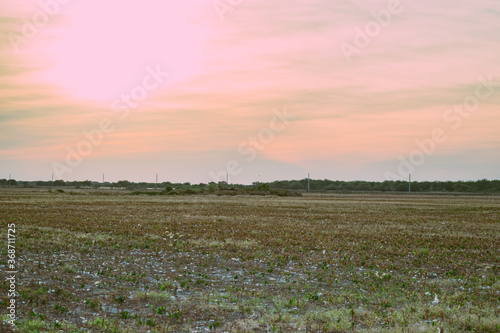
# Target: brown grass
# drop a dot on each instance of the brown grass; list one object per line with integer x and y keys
{"x": 321, "y": 263}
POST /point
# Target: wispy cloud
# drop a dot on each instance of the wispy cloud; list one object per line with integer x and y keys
{"x": 228, "y": 76}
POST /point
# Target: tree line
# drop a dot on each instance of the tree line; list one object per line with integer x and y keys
{"x": 315, "y": 185}
{"x": 483, "y": 185}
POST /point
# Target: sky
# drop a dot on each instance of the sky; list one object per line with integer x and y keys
{"x": 249, "y": 90}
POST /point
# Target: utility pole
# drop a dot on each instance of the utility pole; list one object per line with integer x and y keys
{"x": 308, "y": 182}
{"x": 227, "y": 178}
{"x": 409, "y": 183}
{"x": 102, "y": 179}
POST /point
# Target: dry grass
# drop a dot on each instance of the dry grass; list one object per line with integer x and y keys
{"x": 318, "y": 263}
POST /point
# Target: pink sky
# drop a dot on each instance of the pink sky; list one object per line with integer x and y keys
{"x": 351, "y": 119}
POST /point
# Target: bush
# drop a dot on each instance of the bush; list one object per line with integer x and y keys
{"x": 286, "y": 193}
{"x": 147, "y": 193}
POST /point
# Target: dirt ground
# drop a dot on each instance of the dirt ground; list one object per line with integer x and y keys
{"x": 108, "y": 261}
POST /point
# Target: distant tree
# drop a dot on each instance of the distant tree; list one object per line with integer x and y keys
{"x": 424, "y": 186}
{"x": 496, "y": 185}
{"x": 448, "y": 186}
{"x": 482, "y": 184}
{"x": 330, "y": 187}
{"x": 124, "y": 183}
{"x": 297, "y": 185}
{"x": 416, "y": 187}
{"x": 263, "y": 187}
{"x": 460, "y": 187}
{"x": 212, "y": 187}
{"x": 59, "y": 182}
{"x": 362, "y": 186}
{"x": 347, "y": 186}
{"x": 402, "y": 186}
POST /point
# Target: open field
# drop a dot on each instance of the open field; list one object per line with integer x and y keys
{"x": 99, "y": 262}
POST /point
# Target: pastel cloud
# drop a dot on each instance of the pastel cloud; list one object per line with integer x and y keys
{"x": 353, "y": 119}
